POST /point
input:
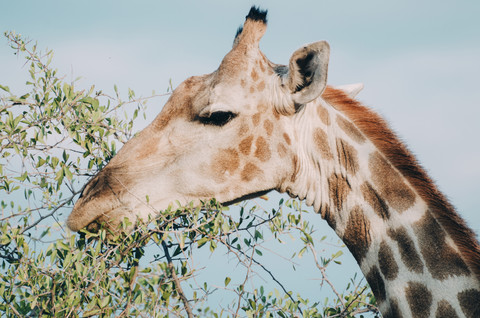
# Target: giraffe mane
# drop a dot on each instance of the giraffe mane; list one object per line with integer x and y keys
{"x": 377, "y": 130}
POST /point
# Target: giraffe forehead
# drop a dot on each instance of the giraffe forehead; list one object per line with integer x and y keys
{"x": 241, "y": 64}
{"x": 241, "y": 84}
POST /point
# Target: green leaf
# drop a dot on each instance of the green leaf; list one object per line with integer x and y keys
{"x": 303, "y": 250}
{"x": 5, "y": 88}
{"x": 68, "y": 173}
{"x": 59, "y": 176}
{"x": 227, "y": 281}
{"x": 337, "y": 254}
{"x": 202, "y": 241}
{"x": 213, "y": 245}
{"x": 54, "y": 161}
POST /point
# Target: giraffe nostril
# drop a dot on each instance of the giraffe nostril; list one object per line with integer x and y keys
{"x": 91, "y": 184}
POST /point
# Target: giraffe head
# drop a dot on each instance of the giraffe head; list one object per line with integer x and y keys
{"x": 229, "y": 135}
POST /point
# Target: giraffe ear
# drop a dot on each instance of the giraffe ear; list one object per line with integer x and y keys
{"x": 307, "y": 73}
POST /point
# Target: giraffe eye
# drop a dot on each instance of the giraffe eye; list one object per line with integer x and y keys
{"x": 219, "y": 118}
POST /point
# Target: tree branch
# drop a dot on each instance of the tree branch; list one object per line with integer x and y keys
{"x": 178, "y": 287}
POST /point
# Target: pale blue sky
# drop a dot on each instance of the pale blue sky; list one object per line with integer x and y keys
{"x": 419, "y": 60}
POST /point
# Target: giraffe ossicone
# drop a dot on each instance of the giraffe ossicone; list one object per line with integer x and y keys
{"x": 253, "y": 126}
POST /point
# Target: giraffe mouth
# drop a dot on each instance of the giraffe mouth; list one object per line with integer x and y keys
{"x": 247, "y": 197}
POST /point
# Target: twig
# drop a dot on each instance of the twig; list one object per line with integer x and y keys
{"x": 48, "y": 215}
{"x": 244, "y": 282}
{"x": 178, "y": 287}
{"x": 14, "y": 310}
{"x": 324, "y": 276}
{"x": 345, "y": 310}
{"x": 264, "y": 268}
{"x": 129, "y": 297}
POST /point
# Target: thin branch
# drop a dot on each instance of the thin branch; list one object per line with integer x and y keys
{"x": 178, "y": 287}
{"x": 264, "y": 268}
{"x": 129, "y": 297}
{"x": 48, "y": 215}
{"x": 345, "y": 310}
{"x": 249, "y": 267}
{"x": 324, "y": 275}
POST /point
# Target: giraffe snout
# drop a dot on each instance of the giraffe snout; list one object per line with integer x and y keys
{"x": 98, "y": 200}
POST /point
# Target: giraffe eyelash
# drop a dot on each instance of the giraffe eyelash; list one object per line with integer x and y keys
{"x": 219, "y": 118}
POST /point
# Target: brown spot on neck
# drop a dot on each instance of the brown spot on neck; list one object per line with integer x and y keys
{"x": 327, "y": 215}
{"x": 339, "y": 188}
{"x": 321, "y": 142}
{"x": 323, "y": 114}
{"x": 390, "y": 183}
{"x": 347, "y": 156}
{"x": 441, "y": 259}
{"x": 445, "y": 310}
{"x": 419, "y": 299}
{"x": 375, "y": 201}
{"x": 393, "y": 311}
{"x": 387, "y": 262}
{"x": 350, "y": 130}
{"x": 406, "y": 246}
{"x": 376, "y": 284}
{"x": 357, "y": 234}
{"x": 470, "y": 302}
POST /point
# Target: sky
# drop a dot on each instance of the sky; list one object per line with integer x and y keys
{"x": 419, "y": 60}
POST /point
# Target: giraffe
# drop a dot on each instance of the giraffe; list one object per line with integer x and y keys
{"x": 253, "y": 126}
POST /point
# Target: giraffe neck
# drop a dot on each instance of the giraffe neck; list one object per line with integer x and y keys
{"x": 413, "y": 265}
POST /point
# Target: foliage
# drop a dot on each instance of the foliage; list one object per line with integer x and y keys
{"x": 52, "y": 139}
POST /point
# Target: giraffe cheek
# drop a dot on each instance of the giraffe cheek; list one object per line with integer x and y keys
{"x": 224, "y": 164}
{"x": 250, "y": 171}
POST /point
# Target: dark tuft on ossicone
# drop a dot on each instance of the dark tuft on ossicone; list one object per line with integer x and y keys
{"x": 257, "y": 14}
